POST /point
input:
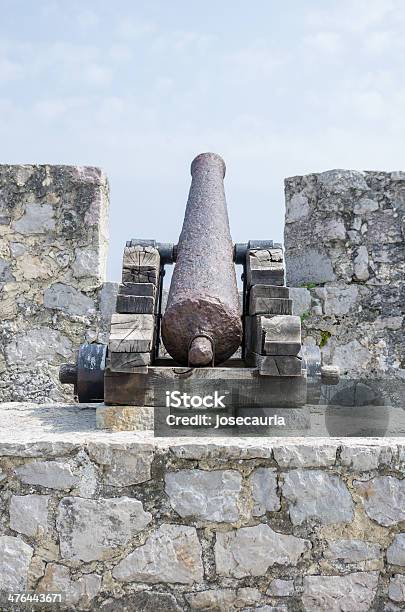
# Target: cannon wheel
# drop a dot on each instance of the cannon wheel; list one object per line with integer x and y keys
{"x": 91, "y": 360}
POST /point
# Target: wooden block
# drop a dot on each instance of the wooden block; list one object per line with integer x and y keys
{"x": 136, "y": 276}
{"x": 140, "y": 264}
{"x": 136, "y": 304}
{"x": 145, "y": 289}
{"x": 128, "y": 362}
{"x": 131, "y": 333}
{"x": 284, "y": 329}
{"x": 253, "y": 335}
{"x": 265, "y": 267}
{"x": 281, "y": 348}
{"x": 266, "y": 335}
{"x": 269, "y": 291}
{"x": 264, "y": 305}
{"x": 279, "y": 365}
{"x": 240, "y": 386}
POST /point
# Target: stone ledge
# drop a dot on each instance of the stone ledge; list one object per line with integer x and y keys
{"x": 117, "y": 519}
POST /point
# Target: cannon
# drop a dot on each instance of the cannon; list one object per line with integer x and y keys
{"x": 208, "y": 336}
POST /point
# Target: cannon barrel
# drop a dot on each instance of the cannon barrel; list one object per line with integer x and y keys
{"x": 202, "y": 323}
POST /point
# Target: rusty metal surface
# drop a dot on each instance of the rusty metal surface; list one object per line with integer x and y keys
{"x": 203, "y": 297}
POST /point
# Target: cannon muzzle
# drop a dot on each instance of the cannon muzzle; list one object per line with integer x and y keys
{"x": 202, "y": 323}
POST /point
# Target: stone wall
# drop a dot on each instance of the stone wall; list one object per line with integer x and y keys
{"x": 53, "y": 250}
{"x": 122, "y": 519}
{"x": 345, "y": 256}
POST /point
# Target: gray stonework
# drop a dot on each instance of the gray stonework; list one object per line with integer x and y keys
{"x": 345, "y": 257}
{"x": 293, "y": 524}
{"x": 53, "y": 252}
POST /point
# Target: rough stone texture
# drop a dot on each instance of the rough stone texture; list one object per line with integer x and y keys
{"x": 171, "y": 554}
{"x": 264, "y": 491}
{"x": 344, "y": 239}
{"x": 250, "y": 551}
{"x": 313, "y": 494}
{"x": 223, "y": 599}
{"x": 396, "y": 552}
{"x": 384, "y": 499}
{"x": 53, "y": 248}
{"x": 51, "y": 474}
{"x": 123, "y": 466}
{"x": 281, "y": 588}
{"x": 29, "y": 514}
{"x": 113, "y": 541}
{"x": 396, "y": 590}
{"x": 15, "y": 557}
{"x": 305, "y": 455}
{"x": 78, "y": 593}
{"x": 354, "y": 592}
{"x": 352, "y": 551}
{"x": 125, "y": 418}
{"x": 211, "y": 496}
{"x": 93, "y": 529}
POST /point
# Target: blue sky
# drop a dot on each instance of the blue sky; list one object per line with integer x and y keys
{"x": 140, "y": 87}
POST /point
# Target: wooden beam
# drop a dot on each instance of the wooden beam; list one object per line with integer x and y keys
{"x": 135, "y": 304}
{"x": 131, "y": 333}
{"x": 278, "y": 365}
{"x": 140, "y": 264}
{"x": 269, "y": 291}
{"x": 145, "y": 289}
{"x": 128, "y": 362}
{"x": 265, "y": 305}
{"x": 265, "y": 267}
{"x": 240, "y": 386}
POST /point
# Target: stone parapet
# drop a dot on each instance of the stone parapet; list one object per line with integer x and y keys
{"x": 126, "y": 519}
{"x": 345, "y": 256}
{"x": 53, "y": 251}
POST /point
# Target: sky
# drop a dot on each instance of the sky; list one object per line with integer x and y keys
{"x": 141, "y": 87}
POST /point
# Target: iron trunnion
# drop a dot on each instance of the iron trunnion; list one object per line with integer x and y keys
{"x": 201, "y": 326}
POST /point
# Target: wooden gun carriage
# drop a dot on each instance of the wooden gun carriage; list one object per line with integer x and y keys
{"x": 271, "y": 368}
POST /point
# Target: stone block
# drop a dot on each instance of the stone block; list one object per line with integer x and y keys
{"x": 301, "y": 300}
{"x": 15, "y": 558}
{"x": 383, "y": 499}
{"x": 317, "y": 495}
{"x": 68, "y": 299}
{"x": 396, "y": 588}
{"x": 77, "y": 593}
{"x": 352, "y": 551}
{"x": 305, "y": 455}
{"x": 281, "y": 588}
{"x": 250, "y": 551}
{"x": 264, "y": 491}
{"x": 310, "y": 265}
{"x": 124, "y": 418}
{"x": 123, "y": 465}
{"x": 95, "y": 529}
{"x": 396, "y": 550}
{"x": 223, "y": 599}
{"x": 335, "y": 593}
{"x": 50, "y": 474}
{"x": 29, "y": 514}
{"x": 205, "y": 495}
{"x": 172, "y": 554}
